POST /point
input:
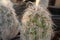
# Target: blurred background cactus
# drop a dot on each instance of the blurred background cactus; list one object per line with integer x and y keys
{"x": 44, "y": 3}
{"x": 9, "y": 25}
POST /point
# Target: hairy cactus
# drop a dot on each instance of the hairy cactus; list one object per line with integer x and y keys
{"x": 9, "y": 25}
{"x": 36, "y": 24}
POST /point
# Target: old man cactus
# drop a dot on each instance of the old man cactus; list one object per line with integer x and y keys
{"x": 36, "y": 24}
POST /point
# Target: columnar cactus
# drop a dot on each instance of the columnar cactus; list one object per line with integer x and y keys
{"x": 9, "y": 25}
{"x": 36, "y": 24}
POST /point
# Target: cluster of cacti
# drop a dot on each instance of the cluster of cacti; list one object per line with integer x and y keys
{"x": 36, "y": 21}
{"x": 9, "y": 25}
{"x": 36, "y": 24}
